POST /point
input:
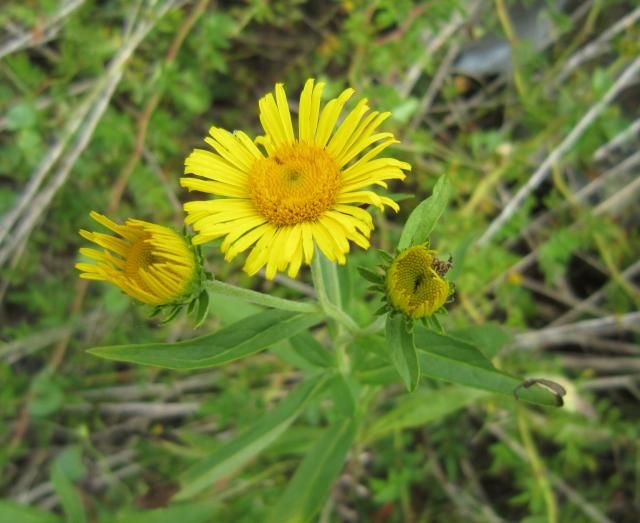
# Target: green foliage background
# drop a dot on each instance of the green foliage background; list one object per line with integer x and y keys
{"x": 85, "y": 439}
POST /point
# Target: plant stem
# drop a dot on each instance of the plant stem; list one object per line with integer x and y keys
{"x": 325, "y": 280}
{"x": 375, "y": 326}
{"x": 258, "y": 298}
{"x": 509, "y": 30}
{"x": 343, "y": 362}
{"x": 537, "y": 467}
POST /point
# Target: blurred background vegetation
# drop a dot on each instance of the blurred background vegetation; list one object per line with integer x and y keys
{"x": 530, "y": 108}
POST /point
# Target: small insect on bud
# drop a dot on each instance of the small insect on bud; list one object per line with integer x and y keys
{"x": 441, "y": 266}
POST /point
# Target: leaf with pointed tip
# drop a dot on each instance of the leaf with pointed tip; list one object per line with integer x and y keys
{"x": 370, "y": 275}
{"x": 308, "y": 489}
{"x": 14, "y": 512}
{"x": 238, "y": 340}
{"x": 425, "y": 216}
{"x": 203, "y": 308}
{"x": 382, "y": 310}
{"x": 68, "y": 494}
{"x": 434, "y": 323}
{"x": 385, "y": 256}
{"x": 249, "y": 443}
{"x": 420, "y": 408}
{"x": 190, "y": 512}
{"x": 402, "y": 351}
{"x": 307, "y": 347}
{"x": 457, "y": 361}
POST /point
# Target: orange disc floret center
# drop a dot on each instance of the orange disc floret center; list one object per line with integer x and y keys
{"x": 296, "y": 184}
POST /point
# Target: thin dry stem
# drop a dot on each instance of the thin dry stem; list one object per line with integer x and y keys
{"x": 558, "y": 153}
{"x": 38, "y": 35}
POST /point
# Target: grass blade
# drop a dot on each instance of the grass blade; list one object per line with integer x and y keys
{"x": 232, "y": 455}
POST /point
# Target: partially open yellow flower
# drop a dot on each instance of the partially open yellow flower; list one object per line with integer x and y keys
{"x": 306, "y": 191}
{"x": 151, "y": 263}
{"x": 414, "y": 286}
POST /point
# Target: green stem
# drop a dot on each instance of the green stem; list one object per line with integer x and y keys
{"x": 342, "y": 358}
{"x": 325, "y": 280}
{"x": 343, "y": 319}
{"x": 327, "y": 285}
{"x": 507, "y": 26}
{"x": 537, "y": 467}
{"x": 374, "y": 327}
{"x": 258, "y": 298}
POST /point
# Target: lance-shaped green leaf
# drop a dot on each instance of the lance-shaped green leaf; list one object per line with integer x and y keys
{"x": 420, "y": 408}
{"x": 425, "y": 216}
{"x": 402, "y": 351}
{"x": 10, "y": 511}
{"x": 238, "y": 340}
{"x": 308, "y": 489}
{"x": 489, "y": 338}
{"x": 69, "y": 497}
{"x": 192, "y": 512}
{"x": 306, "y": 346}
{"x": 456, "y": 361}
{"x": 344, "y": 390}
{"x": 450, "y": 347}
{"x": 237, "y": 452}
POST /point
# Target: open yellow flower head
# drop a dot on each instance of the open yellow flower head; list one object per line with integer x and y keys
{"x": 286, "y": 194}
{"x": 151, "y": 263}
{"x": 414, "y": 286}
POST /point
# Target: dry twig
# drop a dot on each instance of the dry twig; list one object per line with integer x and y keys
{"x": 30, "y": 206}
{"x": 584, "y": 305}
{"x": 598, "y": 46}
{"x": 39, "y": 35}
{"x": 596, "y": 327}
{"x": 544, "y": 170}
{"x": 619, "y": 139}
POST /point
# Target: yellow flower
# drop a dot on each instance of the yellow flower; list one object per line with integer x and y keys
{"x": 305, "y": 191}
{"x": 414, "y": 285}
{"x": 151, "y": 263}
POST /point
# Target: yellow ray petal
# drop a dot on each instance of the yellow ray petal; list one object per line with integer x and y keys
{"x": 373, "y": 165}
{"x": 242, "y": 241}
{"x": 230, "y": 147}
{"x": 285, "y": 114}
{"x": 270, "y": 120}
{"x": 307, "y": 241}
{"x": 371, "y": 153}
{"x": 361, "y": 197}
{"x": 329, "y": 117}
{"x": 211, "y": 165}
{"x": 275, "y": 259}
{"x": 351, "y": 225}
{"x": 259, "y": 254}
{"x": 330, "y": 248}
{"x": 248, "y": 145}
{"x": 358, "y": 213}
{"x": 364, "y": 136}
{"x": 346, "y": 128}
{"x": 219, "y": 188}
{"x": 296, "y": 262}
{"x": 304, "y": 112}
